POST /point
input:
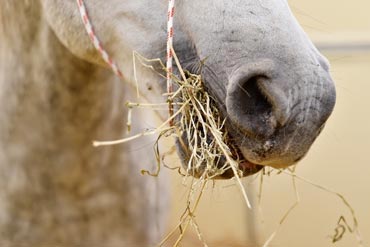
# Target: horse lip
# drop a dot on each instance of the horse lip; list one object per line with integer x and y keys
{"x": 245, "y": 167}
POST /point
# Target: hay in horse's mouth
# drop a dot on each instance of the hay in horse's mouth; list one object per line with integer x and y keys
{"x": 207, "y": 149}
{"x": 246, "y": 167}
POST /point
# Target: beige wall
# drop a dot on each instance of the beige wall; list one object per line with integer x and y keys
{"x": 340, "y": 159}
{"x": 332, "y": 15}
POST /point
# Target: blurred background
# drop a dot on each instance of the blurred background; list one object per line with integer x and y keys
{"x": 339, "y": 160}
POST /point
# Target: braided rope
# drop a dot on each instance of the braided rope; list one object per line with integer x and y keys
{"x": 97, "y": 44}
{"x": 169, "y": 66}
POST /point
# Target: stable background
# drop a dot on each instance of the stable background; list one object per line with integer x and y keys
{"x": 339, "y": 159}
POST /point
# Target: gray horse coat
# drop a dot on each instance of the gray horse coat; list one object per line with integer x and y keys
{"x": 56, "y": 96}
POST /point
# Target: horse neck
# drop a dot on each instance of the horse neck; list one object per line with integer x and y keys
{"x": 38, "y": 72}
{"x": 52, "y": 106}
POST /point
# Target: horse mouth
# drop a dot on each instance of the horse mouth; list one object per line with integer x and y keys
{"x": 219, "y": 167}
{"x": 205, "y": 145}
{"x": 245, "y": 167}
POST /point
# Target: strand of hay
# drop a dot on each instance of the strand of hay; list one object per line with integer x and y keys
{"x": 188, "y": 217}
{"x": 354, "y": 229}
{"x": 287, "y": 213}
{"x": 342, "y": 225}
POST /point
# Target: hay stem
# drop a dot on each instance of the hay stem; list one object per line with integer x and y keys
{"x": 189, "y": 213}
{"x": 161, "y": 128}
{"x": 355, "y": 227}
{"x": 213, "y": 128}
{"x": 286, "y": 214}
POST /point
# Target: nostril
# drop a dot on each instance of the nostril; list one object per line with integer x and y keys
{"x": 251, "y": 98}
{"x": 250, "y": 107}
{"x": 257, "y": 99}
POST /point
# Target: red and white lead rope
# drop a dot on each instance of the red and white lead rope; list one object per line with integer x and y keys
{"x": 169, "y": 66}
{"x": 97, "y": 44}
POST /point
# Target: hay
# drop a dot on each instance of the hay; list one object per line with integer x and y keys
{"x": 200, "y": 122}
{"x": 342, "y": 225}
{"x": 200, "y": 129}
{"x": 207, "y": 144}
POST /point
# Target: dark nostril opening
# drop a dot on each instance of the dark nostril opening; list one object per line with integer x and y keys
{"x": 250, "y": 108}
{"x": 256, "y": 99}
{"x": 251, "y": 98}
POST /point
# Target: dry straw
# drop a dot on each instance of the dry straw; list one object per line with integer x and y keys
{"x": 200, "y": 129}
{"x": 199, "y": 121}
{"x": 210, "y": 151}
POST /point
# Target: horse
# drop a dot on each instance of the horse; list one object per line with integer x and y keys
{"x": 57, "y": 95}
